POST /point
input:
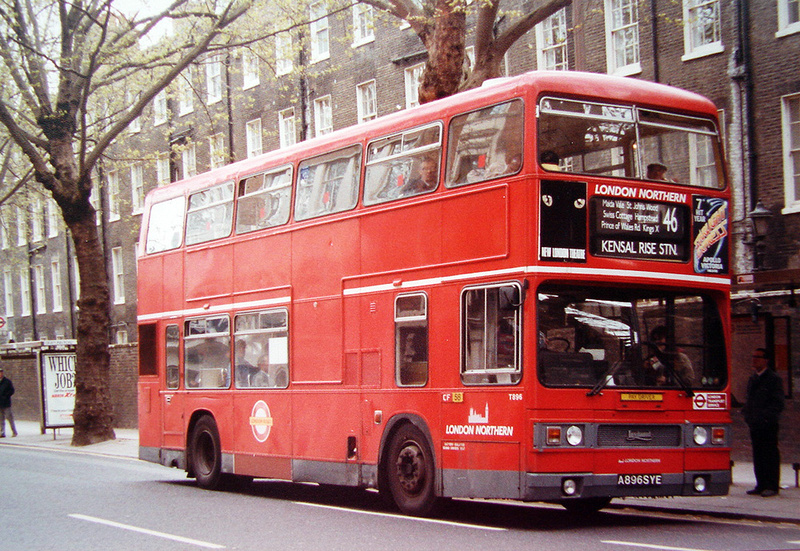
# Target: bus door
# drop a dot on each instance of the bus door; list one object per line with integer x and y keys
{"x": 172, "y": 397}
{"x": 262, "y": 403}
{"x": 483, "y": 421}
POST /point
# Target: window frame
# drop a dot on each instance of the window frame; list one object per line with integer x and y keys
{"x": 367, "y": 101}
{"x": 786, "y": 27}
{"x": 319, "y": 30}
{"x": 407, "y": 155}
{"x": 224, "y": 367}
{"x": 317, "y": 189}
{"x": 225, "y": 200}
{"x": 287, "y": 129}
{"x": 556, "y": 24}
{"x": 172, "y": 350}
{"x": 55, "y": 281}
{"x": 412, "y": 76}
{"x": 619, "y": 33}
{"x": 283, "y": 192}
{"x": 323, "y": 115}
{"x": 282, "y": 332}
{"x": 137, "y": 188}
{"x": 790, "y": 154}
{"x": 214, "y": 79}
{"x": 254, "y": 137}
{"x": 690, "y": 25}
{"x": 118, "y": 274}
{"x": 483, "y": 376}
{"x": 158, "y": 224}
{"x": 284, "y": 64}
{"x": 418, "y": 374}
{"x": 363, "y": 24}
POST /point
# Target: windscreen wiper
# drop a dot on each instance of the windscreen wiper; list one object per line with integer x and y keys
{"x": 605, "y": 379}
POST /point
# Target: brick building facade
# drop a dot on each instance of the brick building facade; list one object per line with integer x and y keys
{"x": 742, "y": 54}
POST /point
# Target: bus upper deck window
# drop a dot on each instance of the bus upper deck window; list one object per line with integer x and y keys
{"x": 328, "y": 183}
{"x": 210, "y": 214}
{"x": 264, "y": 200}
{"x": 622, "y": 141}
{"x": 485, "y": 144}
{"x": 165, "y": 225}
{"x": 403, "y": 164}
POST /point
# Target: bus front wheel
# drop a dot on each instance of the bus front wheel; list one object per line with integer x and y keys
{"x": 410, "y": 471}
{"x": 206, "y": 454}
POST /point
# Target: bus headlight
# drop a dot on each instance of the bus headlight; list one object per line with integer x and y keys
{"x": 569, "y": 487}
{"x": 700, "y": 436}
{"x": 574, "y": 435}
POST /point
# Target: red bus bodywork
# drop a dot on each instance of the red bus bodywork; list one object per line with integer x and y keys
{"x": 337, "y": 278}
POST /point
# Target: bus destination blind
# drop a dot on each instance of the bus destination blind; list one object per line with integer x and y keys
{"x": 644, "y": 230}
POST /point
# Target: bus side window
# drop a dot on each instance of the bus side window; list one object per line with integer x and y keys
{"x": 403, "y": 164}
{"x": 165, "y": 225}
{"x": 207, "y": 351}
{"x": 485, "y": 144}
{"x": 411, "y": 339}
{"x": 261, "y": 349}
{"x": 210, "y": 214}
{"x": 328, "y": 183}
{"x": 491, "y": 334}
{"x": 264, "y": 200}
{"x": 172, "y": 339}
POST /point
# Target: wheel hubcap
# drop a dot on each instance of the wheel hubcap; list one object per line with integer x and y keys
{"x": 411, "y": 468}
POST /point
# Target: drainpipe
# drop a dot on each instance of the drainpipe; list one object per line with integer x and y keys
{"x": 747, "y": 75}
{"x": 654, "y": 33}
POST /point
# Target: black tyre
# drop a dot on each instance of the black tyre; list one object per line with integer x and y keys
{"x": 205, "y": 454}
{"x": 410, "y": 472}
{"x": 585, "y": 506}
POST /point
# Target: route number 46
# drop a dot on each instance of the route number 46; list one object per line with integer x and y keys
{"x": 670, "y": 220}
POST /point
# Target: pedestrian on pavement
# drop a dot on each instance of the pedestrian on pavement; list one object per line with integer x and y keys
{"x": 6, "y": 391}
{"x": 762, "y": 412}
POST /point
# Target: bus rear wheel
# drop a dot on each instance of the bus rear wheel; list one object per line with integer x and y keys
{"x": 205, "y": 454}
{"x": 410, "y": 471}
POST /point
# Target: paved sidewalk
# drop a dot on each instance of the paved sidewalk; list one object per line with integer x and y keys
{"x": 784, "y": 507}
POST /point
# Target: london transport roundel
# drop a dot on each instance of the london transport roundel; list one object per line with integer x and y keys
{"x": 261, "y": 421}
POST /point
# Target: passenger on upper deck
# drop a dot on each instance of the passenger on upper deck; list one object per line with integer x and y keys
{"x": 549, "y": 160}
{"x": 657, "y": 171}
{"x": 426, "y": 180}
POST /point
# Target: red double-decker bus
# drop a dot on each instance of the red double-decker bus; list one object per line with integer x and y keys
{"x": 520, "y": 291}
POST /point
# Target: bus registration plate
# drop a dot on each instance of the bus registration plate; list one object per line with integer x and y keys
{"x": 639, "y": 480}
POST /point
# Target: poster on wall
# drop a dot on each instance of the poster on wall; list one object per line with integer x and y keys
{"x": 57, "y": 371}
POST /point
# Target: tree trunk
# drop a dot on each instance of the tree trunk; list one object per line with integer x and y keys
{"x": 93, "y": 414}
{"x": 445, "y": 65}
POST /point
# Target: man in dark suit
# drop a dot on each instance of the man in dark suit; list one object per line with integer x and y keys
{"x": 6, "y": 391}
{"x": 761, "y": 412}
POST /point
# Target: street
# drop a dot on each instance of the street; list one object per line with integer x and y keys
{"x": 62, "y": 500}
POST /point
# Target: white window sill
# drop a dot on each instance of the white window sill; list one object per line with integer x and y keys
{"x": 628, "y": 70}
{"x": 703, "y": 51}
{"x": 794, "y": 208}
{"x": 794, "y": 28}
{"x": 363, "y": 41}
